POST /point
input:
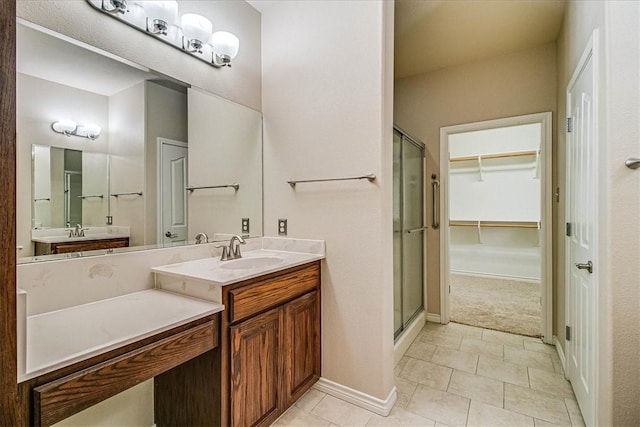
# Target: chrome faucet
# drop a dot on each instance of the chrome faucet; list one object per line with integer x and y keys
{"x": 202, "y": 238}
{"x": 77, "y": 231}
{"x": 232, "y": 251}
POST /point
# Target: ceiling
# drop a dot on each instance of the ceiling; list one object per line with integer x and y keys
{"x": 51, "y": 58}
{"x": 435, "y": 34}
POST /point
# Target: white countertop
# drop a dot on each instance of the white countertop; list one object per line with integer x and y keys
{"x": 211, "y": 270}
{"x": 60, "y": 338}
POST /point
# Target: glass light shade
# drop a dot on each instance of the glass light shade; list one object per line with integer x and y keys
{"x": 225, "y": 44}
{"x": 92, "y": 130}
{"x": 65, "y": 125}
{"x": 196, "y": 27}
{"x": 136, "y": 15}
{"x": 166, "y": 11}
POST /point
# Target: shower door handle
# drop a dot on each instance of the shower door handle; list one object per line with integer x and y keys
{"x": 435, "y": 202}
{"x": 414, "y": 230}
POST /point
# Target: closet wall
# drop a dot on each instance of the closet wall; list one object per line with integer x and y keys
{"x": 494, "y": 201}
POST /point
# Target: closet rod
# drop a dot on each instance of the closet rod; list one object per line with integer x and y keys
{"x": 495, "y": 224}
{"x": 494, "y": 156}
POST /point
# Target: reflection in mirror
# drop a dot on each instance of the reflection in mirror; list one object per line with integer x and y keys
{"x": 69, "y": 187}
{"x": 127, "y": 186}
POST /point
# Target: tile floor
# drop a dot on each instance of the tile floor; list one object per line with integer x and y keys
{"x": 458, "y": 375}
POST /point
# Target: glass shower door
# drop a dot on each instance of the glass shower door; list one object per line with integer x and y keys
{"x": 408, "y": 230}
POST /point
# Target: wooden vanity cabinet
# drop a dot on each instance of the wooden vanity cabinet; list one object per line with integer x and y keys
{"x": 272, "y": 351}
{"x": 174, "y": 358}
{"x": 80, "y": 245}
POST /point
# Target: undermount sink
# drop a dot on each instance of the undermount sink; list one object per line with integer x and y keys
{"x": 248, "y": 263}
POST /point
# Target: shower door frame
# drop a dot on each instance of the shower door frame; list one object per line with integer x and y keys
{"x": 546, "y": 219}
{"x": 399, "y": 333}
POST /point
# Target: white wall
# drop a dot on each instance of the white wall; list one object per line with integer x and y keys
{"x": 327, "y": 104}
{"x": 127, "y": 130}
{"x": 39, "y": 104}
{"x": 225, "y": 147}
{"x": 95, "y": 181}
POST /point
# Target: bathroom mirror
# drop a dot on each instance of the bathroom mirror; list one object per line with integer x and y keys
{"x": 170, "y": 161}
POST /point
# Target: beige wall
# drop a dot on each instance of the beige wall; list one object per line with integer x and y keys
{"x": 327, "y": 104}
{"x": 506, "y": 86}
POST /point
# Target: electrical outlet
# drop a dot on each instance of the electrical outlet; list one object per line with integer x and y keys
{"x": 245, "y": 225}
{"x": 109, "y": 220}
{"x": 282, "y": 227}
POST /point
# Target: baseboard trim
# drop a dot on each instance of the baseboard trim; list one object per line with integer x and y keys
{"x": 433, "y": 318}
{"x": 358, "y": 398}
{"x": 563, "y": 360}
{"x": 404, "y": 341}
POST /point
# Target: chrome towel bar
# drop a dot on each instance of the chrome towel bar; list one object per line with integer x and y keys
{"x": 371, "y": 177}
{"x": 91, "y": 197}
{"x": 234, "y": 186}
{"x": 137, "y": 193}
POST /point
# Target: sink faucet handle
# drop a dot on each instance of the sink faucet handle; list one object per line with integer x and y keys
{"x": 225, "y": 252}
{"x": 234, "y": 248}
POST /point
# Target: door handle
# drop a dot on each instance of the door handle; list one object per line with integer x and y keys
{"x": 170, "y": 235}
{"x": 586, "y": 266}
{"x": 435, "y": 202}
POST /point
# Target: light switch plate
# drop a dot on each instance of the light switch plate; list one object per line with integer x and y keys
{"x": 282, "y": 227}
{"x": 245, "y": 225}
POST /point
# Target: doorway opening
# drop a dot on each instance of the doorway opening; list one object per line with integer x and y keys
{"x": 496, "y": 250}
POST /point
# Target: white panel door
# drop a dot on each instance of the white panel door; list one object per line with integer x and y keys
{"x": 173, "y": 197}
{"x": 582, "y": 235}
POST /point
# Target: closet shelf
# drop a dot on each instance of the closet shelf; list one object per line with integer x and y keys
{"x": 480, "y": 157}
{"x": 496, "y": 224}
{"x": 495, "y": 156}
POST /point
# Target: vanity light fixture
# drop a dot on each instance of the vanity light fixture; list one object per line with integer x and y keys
{"x": 159, "y": 18}
{"x": 69, "y": 127}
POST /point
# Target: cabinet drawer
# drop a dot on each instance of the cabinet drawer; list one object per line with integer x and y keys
{"x": 66, "y": 396}
{"x": 251, "y": 299}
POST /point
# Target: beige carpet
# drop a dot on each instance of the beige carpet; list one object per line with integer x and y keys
{"x": 495, "y": 303}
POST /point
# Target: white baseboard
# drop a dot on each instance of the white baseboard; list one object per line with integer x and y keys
{"x": 404, "y": 341}
{"x": 560, "y": 351}
{"x": 433, "y": 318}
{"x": 358, "y": 398}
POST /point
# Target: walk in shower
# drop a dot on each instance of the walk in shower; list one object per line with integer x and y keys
{"x": 408, "y": 229}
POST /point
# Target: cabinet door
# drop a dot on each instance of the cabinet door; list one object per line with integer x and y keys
{"x": 302, "y": 345}
{"x": 255, "y": 369}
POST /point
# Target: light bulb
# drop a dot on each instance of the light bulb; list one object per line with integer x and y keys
{"x": 92, "y": 130}
{"x": 225, "y": 45}
{"x": 196, "y": 30}
{"x": 64, "y": 126}
{"x": 161, "y": 14}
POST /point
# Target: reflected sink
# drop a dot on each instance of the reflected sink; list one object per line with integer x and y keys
{"x": 248, "y": 263}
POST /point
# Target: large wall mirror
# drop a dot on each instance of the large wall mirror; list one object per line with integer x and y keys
{"x": 112, "y": 156}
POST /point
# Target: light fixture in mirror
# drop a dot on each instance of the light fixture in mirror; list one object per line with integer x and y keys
{"x": 70, "y": 128}
{"x": 159, "y": 18}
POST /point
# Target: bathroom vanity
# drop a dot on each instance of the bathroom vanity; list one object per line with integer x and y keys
{"x": 269, "y": 332}
{"x": 231, "y": 343}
